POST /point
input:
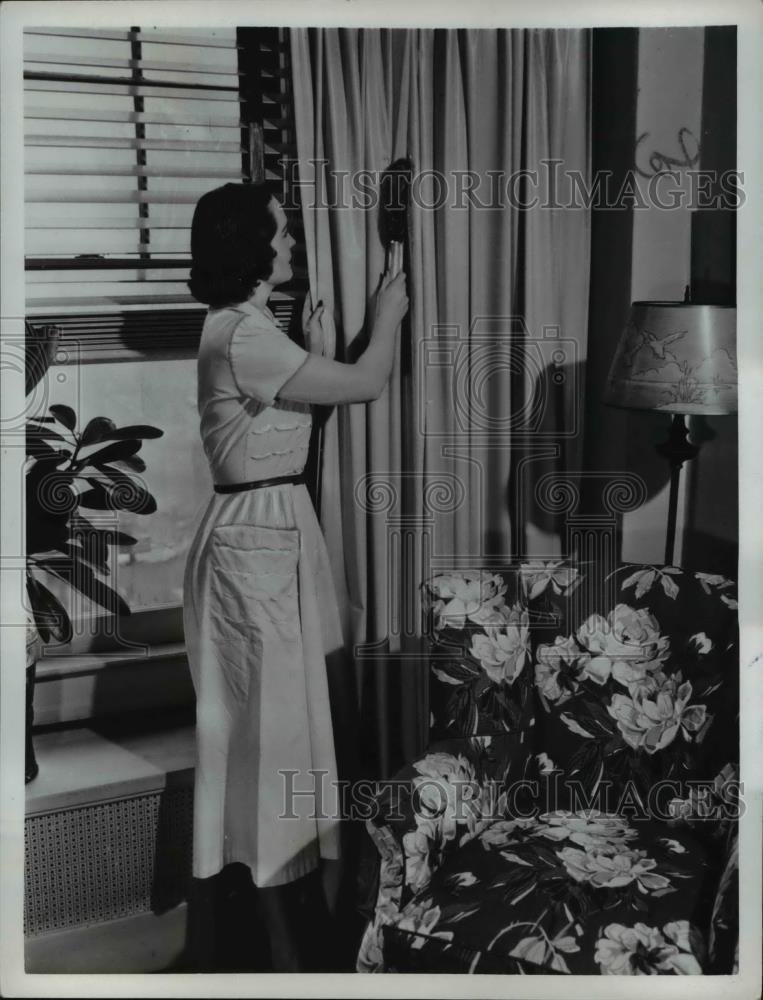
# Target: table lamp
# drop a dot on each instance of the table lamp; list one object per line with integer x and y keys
{"x": 679, "y": 358}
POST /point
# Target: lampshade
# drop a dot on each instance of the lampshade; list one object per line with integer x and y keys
{"x": 676, "y": 357}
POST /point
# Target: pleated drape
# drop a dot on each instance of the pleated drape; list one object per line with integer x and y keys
{"x": 440, "y": 470}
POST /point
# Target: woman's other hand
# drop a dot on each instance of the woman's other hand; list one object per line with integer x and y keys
{"x": 392, "y": 297}
{"x": 315, "y": 340}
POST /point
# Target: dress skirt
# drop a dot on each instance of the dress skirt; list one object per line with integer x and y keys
{"x": 260, "y": 616}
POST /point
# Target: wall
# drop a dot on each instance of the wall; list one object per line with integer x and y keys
{"x": 669, "y": 99}
{"x": 653, "y": 83}
{"x": 712, "y": 515}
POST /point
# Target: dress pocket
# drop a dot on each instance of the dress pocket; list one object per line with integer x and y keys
{"x": 254, "y": 598}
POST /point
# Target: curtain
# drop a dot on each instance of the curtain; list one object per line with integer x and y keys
{"x": 442, "y": 470}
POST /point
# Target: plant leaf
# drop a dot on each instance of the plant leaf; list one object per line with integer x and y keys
{"x": 40, "y": 430}
{"x": 46, "y": 536}
{"x": 87, "y": 583}
{"x": 135, "y": 463}
{"x": 39, "y": 449}
{"x": 111, "y": 453}
{"x": 126, "y": 493}
{"x": 91, "y": 540}
{"x": 46, "y": 521}
{"x": 64, "y": 415}
{"x": 78, "y": 553}
{"x": 47, "y": 463}
{"x": 46, "y": 606}
{"x": 143, "y": 431}
{"x": 81, "y": 525}
{"x": 96, "y": 498}
{"x": 97, "y": 430}
{"x": 40, "y": 619}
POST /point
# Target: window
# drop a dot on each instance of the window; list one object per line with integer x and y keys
{"x": 124, "y": 130}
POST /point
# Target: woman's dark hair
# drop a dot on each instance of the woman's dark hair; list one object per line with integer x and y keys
{"x": 231, "y": 233}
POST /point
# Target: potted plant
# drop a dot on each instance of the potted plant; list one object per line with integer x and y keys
{"x": 67, "y": 470}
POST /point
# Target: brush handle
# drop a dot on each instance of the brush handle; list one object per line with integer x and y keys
{"x": 389, "y": 259}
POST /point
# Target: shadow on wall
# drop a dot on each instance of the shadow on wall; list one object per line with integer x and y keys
{"x": 638, "y": 467}
{"x": 711, "y": 478}
{"x": 713, "y": 497}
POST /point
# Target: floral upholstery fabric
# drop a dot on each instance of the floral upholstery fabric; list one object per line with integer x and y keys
{"x": 574, "y": 893}
{"x": 638, "y": 685}
{"x": 480, "y": 677}
{"x": 581, "y": 815}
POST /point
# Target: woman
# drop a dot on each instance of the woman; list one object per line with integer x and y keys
{"x": 260, "y": 612}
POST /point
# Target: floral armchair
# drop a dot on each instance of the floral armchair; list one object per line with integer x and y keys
{"x": 577, "y": 810}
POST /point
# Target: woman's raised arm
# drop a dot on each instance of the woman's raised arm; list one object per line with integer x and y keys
{"x": 323, "y": 381}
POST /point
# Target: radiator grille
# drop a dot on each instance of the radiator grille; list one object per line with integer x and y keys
{"x": 107, "y": 860}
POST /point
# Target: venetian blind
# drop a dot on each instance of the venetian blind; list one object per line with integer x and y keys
{"x": 124, "y": 131}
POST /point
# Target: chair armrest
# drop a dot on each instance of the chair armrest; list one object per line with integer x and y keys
{"x": 391, "y": 882}
{"x": 723, "y": 937}
{"x": 391, "y": 821}
{"x": 414, "y": 823}
{"x": 712, "y": 812}
{"x": 428, "y": 810}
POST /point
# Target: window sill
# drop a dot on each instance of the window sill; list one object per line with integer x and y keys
{"x": 81, "y": 766}
{"x": 72, "y": 688}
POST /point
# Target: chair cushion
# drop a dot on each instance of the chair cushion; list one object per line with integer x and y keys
{"x": 562, "y": 892}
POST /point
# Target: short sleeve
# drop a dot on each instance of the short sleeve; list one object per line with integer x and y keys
{"x": 262, "y": 360}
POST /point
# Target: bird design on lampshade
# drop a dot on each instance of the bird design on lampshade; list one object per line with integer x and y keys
{"x": 658, "y": 346}
{"x": 697, "y": 375}
{"x": 647, "y": 340}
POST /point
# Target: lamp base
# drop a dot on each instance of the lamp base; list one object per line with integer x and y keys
{"x": 677, "y": 449}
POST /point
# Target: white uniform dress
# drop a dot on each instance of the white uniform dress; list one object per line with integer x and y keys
{"x": 260, "y": 613}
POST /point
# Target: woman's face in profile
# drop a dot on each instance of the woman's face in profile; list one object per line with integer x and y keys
{"x": 282, "y": 243}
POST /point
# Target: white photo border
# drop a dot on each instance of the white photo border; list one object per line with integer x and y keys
{"x": 748, "y": 16}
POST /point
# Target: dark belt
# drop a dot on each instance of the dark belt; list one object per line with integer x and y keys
{"x": 258, "y": 484}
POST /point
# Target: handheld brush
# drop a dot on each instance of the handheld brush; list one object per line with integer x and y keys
{"x": 394, "y": 191}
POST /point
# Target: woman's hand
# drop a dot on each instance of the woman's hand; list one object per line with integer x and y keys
{"x": 311, "y": 326}
{"x": 392, "y": 298}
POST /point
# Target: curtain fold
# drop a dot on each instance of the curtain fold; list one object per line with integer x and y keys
{"x": 441, "y": 470}
{"x": 556, "y": 269}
